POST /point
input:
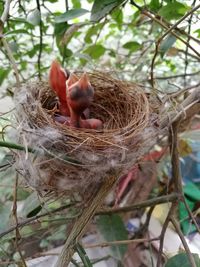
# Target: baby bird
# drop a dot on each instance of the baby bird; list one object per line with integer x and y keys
{"x": 91, "y": 124}
{"x": 79, "y": 97}
{"x": 57, "y": 79}
{"x": 80, "y": 94}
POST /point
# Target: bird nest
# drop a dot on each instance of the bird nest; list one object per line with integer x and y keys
{"x": 72, "y": 160}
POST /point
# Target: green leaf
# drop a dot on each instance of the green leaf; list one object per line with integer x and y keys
{"x": 71, "y": 14}
{"x": 58, "y": 234}
{"x": 32, "y": 205}
{"x": 166, "y": 44}
{"x": 5, "y": 211}
{"x": 3, "y": 74}
{"x": 13, "y": 47}
{"x": 198, "y": 32}
{"x": 132, "y": 46}
{"x": 92, "y": 31}
{"x": 34, "y": 17}
{"x": 82, "y": 254}
{"x": 16, "y": 32}
{"x": 154, "y": 5}
{"x": 182, "y": 260}
{"x": 61, "y": 28}
{"x": 101, "y": 8}
{"x": 174, "y": 10}
{"x": 95, "y": 51}
{"x": 76, "y": 3}
{"x": 117, "y": 15}
{"x": 31, "y": 53}
{"x": 112, "y": 229}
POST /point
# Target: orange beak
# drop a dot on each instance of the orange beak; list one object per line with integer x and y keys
{"x": 72, "y": 79}
{"x": 84, "y": 82}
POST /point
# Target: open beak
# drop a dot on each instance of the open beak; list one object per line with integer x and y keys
{"x": 72, "y": 79}
{"x": 84, "y": 82}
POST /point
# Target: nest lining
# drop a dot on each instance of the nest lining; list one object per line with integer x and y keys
{"x": 124, "y": 109}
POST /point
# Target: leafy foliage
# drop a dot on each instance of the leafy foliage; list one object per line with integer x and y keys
{"x": 173, "y": 10}
{"x": 71, "y": 14}
{"x": 182, "y": 260}
{"x": 112, "y": 229}
{"x": 101, "y": 8}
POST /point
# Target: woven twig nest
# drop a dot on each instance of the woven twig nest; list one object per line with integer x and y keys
{"x": 76, "y": 160}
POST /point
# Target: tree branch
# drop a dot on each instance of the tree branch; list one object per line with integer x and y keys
{"x": 179, "y": 21}
{"x": 188, "y": 108}
{"x": 120, "y": 242}
{"x": 187, "y": 249}
{"x": 143, "y": 204}
{"x": 80, "y": 224}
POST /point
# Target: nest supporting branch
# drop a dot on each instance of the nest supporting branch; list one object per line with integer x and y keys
{"x": 79, "y": 226}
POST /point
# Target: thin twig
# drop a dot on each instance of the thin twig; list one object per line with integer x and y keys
{"x": 191, "y": 216}
{"x": 41, "y": 40}
{"x": 143, "y": 204}
{"x": 179, "y": 21}
{"x": 162, "y": 234}
{"x": 188, "y": 40}
{"x": 34, "y": 218}
{"x": 169, "y": 30}
{"x": 161, "y": 23}
{"x": 178, "y": 230}
{"x": 17, "y": 233}
{"x": 120, "y": 242}
{"x": 180, "y": 92}
{"x": 177, "y": 181}
{"x": 177, "y": 76}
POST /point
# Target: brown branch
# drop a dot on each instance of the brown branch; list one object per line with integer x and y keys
{"x": 176, "y": 76}
{"x": 178, "y": 230}
{"x": 34, "y": 218}
{"x": 188, "y": 40}
{"x": 120, "y": 242}
{"x": 161, "y": 23}
{"x": 191, "y": 216}
{"x": 177, "y": 181}
{"x": 188, "y": 108}
{"x": 180, "y": 92}
{"x": 80, "y": 224}
{"x": 162, "y": 234}
{"x": 179, "y": 21}
{"x": 169, "y": 30}
{"x": 173, "y": 139}
{"x": 143, "y": 204}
